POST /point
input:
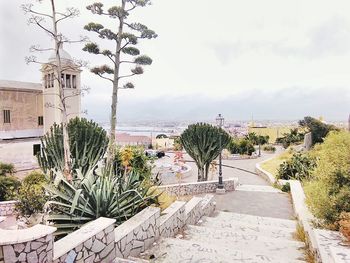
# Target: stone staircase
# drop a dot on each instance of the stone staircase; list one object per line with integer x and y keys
{"x": 230, "y": 237}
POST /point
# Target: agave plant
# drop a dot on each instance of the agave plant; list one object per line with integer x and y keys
{"x": 93, "y": 195}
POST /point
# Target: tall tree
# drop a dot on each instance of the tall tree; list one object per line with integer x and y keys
{"x": 55, "y": 17}
{"x": 124, "y": 39}
{"x": 204, "y": 142}
{"x": 318, "y": 129}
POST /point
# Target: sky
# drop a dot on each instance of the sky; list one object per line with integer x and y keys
{"x": 270, "y": 59}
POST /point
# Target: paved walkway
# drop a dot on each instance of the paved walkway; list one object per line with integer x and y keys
{"x": 243, "y": 177}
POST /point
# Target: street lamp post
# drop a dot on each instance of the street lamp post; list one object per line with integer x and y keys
{"x": 220, "y": 123}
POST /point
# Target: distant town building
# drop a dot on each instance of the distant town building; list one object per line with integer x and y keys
{"x": 273, "y": 132}
{"x": 125, "y": 139}
{"x": 29, "y": 109}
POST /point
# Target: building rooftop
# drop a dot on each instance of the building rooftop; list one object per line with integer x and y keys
{"x": 64, "y": 56}
{"x": 20, "y": 85}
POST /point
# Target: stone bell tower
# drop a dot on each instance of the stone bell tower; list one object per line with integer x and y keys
{"x": 70, "y": 78}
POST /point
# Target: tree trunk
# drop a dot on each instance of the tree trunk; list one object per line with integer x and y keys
{"x": 58, "y": 73}
{"x": 200, "y": 173}
{"x": 206, "y": 172}
{"x": 112, "y": 146}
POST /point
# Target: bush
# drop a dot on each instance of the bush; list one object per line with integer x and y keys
{"x": 269, "y": 148}
{"x": 328, "y": 193}
{"x": 285, "y": 188}
{"x": 299, "y": 167}
{"x": 34, "y": 177}
{"x": 6, "y": 168}
{"x": 344, "y": 224}
{"x": 132, "y": 159}
{"x": 241, "y": 146}
{"x": 31, "y": 195}
{"x": 8, "y": 187}
{"x": 293, "y": 137}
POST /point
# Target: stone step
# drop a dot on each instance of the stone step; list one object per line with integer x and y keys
{"x": 257, "y": 188}
{"x": 179, "y": 250}
{"x": 255, "y": 220}
{"x": 246, "y": 242}
{"x": 237, "y": 235}
{"x": 237, "y": 226}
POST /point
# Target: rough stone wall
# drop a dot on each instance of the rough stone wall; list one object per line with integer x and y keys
{"x": 198, "y": 187}
{"x": 193, "y": 210}
{"x": 138, "y": 233}
{"x": 172, "y": 220}
{"x": 208, "y": 205}
{"x": 96, "y": 248}
{"x": 36, "y": 251}
{"x": 7, "y": 208}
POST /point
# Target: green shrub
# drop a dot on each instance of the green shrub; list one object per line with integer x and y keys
{"x": 269, "y": 148}
{"x": 34, "y": 177}
{"x": 133, "y": 159}
{"x": 299, "y": 167}
{"x": 6, "y": 168}
{"x": 241, "y": 146}
{"x": 286, "y": 188}
{"x": 31, "y": 195}
{"x": 8, "y": 187}
{"x": 31, "y": 199}
{"x": 293, "y": 137}
{"x": 328, "y": 192}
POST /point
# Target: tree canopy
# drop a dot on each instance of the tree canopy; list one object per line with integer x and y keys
{"x": 204, "y": 142}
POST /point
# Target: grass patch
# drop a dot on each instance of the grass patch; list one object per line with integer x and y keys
{"x": 272, "y": 165}
{"x": 301, "y": 236}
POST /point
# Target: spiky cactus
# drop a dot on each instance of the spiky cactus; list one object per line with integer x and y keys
{"x": 203, "y": 142}
{"x": 88, "y": 143}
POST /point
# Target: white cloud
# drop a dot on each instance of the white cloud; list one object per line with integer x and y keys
{"x": 215, "y": 49}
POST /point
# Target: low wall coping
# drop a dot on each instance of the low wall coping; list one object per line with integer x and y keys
{"x": 135, "y": 221}
{"x": 190, "y": 205}
{"x": 171, "y": 210}
{"x": 79, "y": 236}
{"x": 322, "y": 241}
{"x": 197, "y": 183}
{"x": 9, "y": 237}
{"x": 266, "y": 174}
{"x": 8, "y": 202}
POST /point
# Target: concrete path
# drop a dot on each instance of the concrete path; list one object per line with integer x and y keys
{"x": 243, "y": 177}
{"x": 231, "y": 237}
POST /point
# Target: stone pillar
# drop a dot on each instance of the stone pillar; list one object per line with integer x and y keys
{"x": 30, "y": 245}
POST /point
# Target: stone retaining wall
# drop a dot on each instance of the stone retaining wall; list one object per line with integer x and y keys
{"x": 138, "y": 233}
{"x": 94, "y": 242}
{"x": 141, "y": 231}
{"x": 7, "y": 208}
{"x": 30, "y": 245}
{"x": 99, "y": 241}
{"x": 198, "y": 187}
{"x": 172, "y": 219}
{"x": 325, "y": 244}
